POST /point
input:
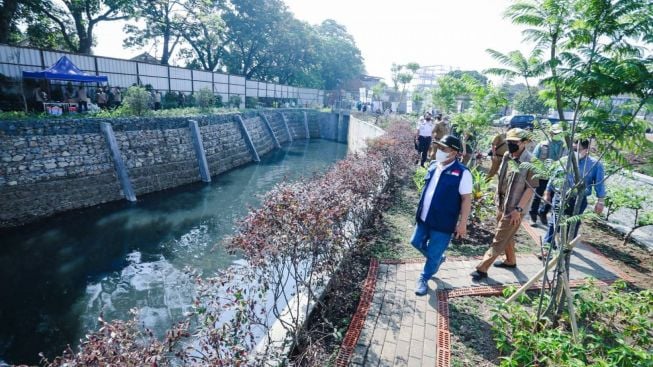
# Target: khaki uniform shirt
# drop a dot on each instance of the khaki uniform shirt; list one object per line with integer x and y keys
{"x": 514, "y": 181}
{"x": 439, "y": 131}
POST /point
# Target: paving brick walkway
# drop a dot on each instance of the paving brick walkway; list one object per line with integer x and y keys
{"x": 402, "y": 329}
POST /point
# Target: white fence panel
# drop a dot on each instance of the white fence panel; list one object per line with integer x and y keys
{"x": 203, "y": 76}
{"x": 251, "y": 84}
{"x": 221, "y": 88}
{"x": 156, "y": 83}
{"x": 121, "y": 80}
{"x": 115, "y": 66}
{"x": 17, "y": 55}
{"x": 237, "y": 80}
{"x": 152, "y": 70}
{"x": 181, "y": 85}
{"x": 237, "y": 89}
{"x": 197, "y": 85}
{"x": 252, "y": 92}
{"x": 179, "y": 73}
{"x": 11, "y": 71}
{"x": 221, "y": 78}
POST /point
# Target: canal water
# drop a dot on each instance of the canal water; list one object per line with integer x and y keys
{"x": 58, "y": 275}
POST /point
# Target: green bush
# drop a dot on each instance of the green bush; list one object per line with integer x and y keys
{"x": 204, "y": 99}
{"x": 614, "y": 330}
{"x": 418, "y": 178}
{"x": 251, "y": 102}
{"x": 170, "y": 100}
{"x": 137, "y": 101}
{"x": 235, "y": 101}
{"x": 218, "y": 101}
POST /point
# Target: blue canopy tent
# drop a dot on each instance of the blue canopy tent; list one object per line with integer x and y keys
{"x": 64, "y": 69}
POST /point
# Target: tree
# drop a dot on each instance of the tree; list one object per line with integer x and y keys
{"x": 593, "y": 55}
{"x": 76, "y": 19}
{"x": 482, "y": 79}
{"x": 204, "y": 32}
{"x": 8, "y": 16}
{"x": 340, "y": 59}
{"x": 250, "y": 29}
{"x": 445, "y": 96}
{"x": 517, "y": 65}
{"x": 164, "y": 21}
{"x": 529, "y": 103}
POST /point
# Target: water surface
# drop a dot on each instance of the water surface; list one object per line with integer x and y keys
{"x": 59, "y": 274}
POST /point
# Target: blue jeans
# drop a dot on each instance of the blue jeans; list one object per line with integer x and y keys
{"x": 571, "y": 202}
{"x": 432, "y": 244}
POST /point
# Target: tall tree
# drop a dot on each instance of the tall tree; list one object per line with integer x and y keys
{"x": 204, "y": 33}
{"x": 594, "y": 54}
{"x": 8, "y": 16}
{"x": 340, "y": 59}
{"x": 76, "y": 19}
{"x": 251, "y": 26}
{"x": 517, "y": 65}
{"x": 164, "y": 21}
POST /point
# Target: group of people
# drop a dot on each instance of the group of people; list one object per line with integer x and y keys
{"x": 105, "y": 97}
{"x": 445, "y": 201}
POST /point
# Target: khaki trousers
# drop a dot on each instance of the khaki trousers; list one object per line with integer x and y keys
{"x": 503, "y": 242}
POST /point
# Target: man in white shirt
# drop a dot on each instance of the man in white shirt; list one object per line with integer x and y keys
{"x": 423, "y": 136}
{"x": 443, "y": 208}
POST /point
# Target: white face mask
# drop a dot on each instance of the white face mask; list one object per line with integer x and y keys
{"x": 441, "y": 156}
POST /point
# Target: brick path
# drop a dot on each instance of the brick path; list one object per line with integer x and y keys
{"x": 402, "y": 329}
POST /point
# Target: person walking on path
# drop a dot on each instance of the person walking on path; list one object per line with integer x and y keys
{"x": 548, "y": 152}
{"x": 443, "y": 208}
{"x": 593, "y": 175}
{"x": 514, "y": 192}
{"x": 423, "y": 137}
{"x": 440, "y": 129}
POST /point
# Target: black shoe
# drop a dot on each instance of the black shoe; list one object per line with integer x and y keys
{"x": 478, "y": 275}
{"x": 501, "y": 264}
{"x": 533, "y": 218}
{"x": 543, "y": 219}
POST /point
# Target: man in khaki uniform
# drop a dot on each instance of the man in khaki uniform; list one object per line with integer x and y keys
{"x": 440, "y": 129}
{"x": 499, "y": 148}
{"x": 514, "y": 193}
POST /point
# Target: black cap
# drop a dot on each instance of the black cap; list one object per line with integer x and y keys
{"x": 451, "y": 142}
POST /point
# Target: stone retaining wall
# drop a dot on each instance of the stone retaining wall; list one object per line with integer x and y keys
{"x": 49, "y": 166}
{"x": 276, "y": 122}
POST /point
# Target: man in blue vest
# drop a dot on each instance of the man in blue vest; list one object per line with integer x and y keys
{"x": 443, "y": 208}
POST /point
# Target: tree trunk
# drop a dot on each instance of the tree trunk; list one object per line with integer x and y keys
{"x": 7, "y": 13}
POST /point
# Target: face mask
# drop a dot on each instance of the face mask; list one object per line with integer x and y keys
{"x": 441, "y": 156}
{"x": 513, "y": 147}
{"x": 428, "y": 119}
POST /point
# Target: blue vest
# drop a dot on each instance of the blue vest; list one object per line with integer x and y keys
{"x": 445, "y": 205}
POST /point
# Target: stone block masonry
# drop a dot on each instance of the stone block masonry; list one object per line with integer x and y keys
{"x": 50, "y": 166}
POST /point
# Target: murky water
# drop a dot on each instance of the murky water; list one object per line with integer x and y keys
{"x": 58, "y": 275}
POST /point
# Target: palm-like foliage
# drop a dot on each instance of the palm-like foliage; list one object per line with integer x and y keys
{"x": 518, "y": 65}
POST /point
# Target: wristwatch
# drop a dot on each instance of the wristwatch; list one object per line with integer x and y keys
{"x": 518, "y": 209}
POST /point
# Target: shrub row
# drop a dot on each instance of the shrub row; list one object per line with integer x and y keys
{"x": 293, "y": 243}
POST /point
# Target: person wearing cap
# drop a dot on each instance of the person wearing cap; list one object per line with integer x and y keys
{"x": 547, "y": 151}
{"x": 593, "y": 174}
{"x": 423, "y": 137}
{"x": 499, "y": 148}
{"x": 443, "y": 209}
{"x": 514, "y": 193}
{"x": 440, "y": 129}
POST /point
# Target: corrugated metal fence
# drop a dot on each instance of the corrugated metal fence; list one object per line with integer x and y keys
{"x": 124, "y": 73}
